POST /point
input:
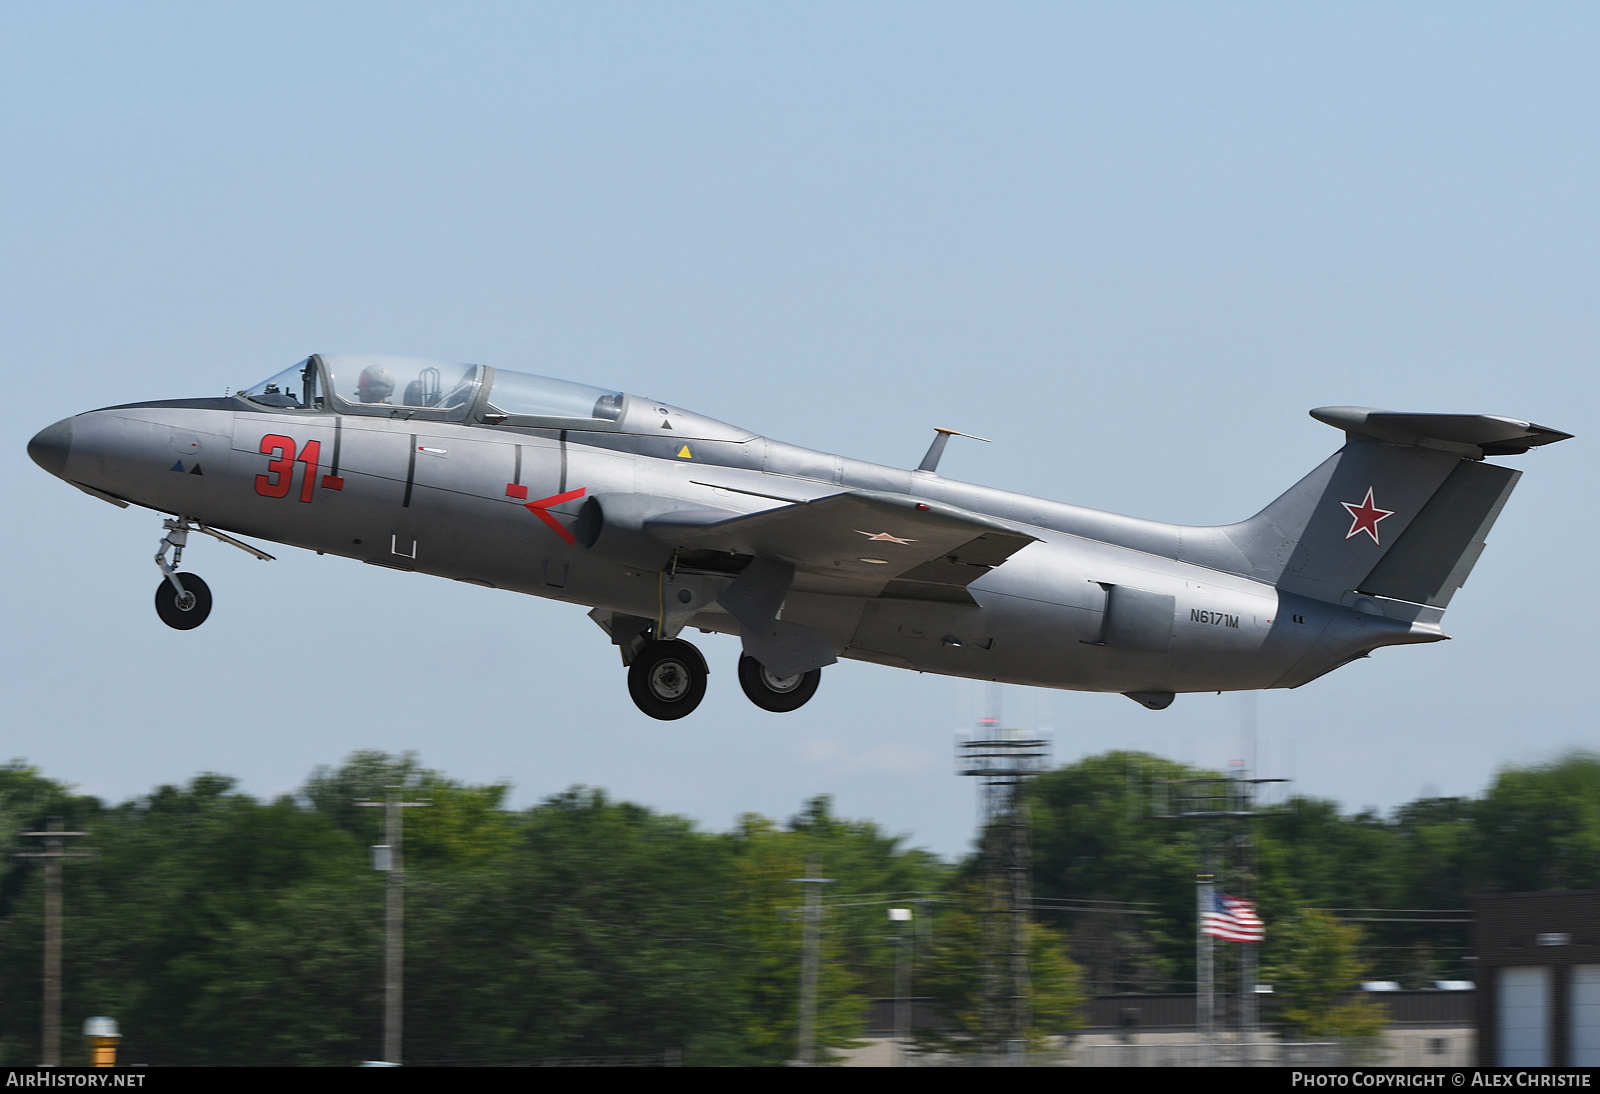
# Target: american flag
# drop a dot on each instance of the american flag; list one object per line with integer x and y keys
{"x": 1233, "y": 919}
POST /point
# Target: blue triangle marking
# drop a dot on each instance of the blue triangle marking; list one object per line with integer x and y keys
{"x": 178, "y": 466}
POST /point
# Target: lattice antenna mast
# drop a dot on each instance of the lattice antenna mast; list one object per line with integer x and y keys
{"x": 1224, "y": 806}
{"x": 1004, "y": 760}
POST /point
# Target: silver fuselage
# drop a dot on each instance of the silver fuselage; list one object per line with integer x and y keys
{"x": 451, "y": 499}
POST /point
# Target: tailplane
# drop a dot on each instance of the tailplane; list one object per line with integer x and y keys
{"x": 1401, "y": 512}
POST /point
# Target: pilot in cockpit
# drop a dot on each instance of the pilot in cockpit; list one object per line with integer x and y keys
{"x": 375, "y": 385}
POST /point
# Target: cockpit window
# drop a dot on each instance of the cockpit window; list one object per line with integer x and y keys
{"x": 295, "y": 388}
{"x": 401, "y": 386}
{"x": 519, "y": 395}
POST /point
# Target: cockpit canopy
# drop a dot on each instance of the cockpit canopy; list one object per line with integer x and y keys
{"x": 385, "y": 385}
{"x": 519, "y": 395}
{"x": 411, "y": 387}
{"x": 295, "y": 388}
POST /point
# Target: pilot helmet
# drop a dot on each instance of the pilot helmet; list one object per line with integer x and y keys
{"x": 375, "y": 384}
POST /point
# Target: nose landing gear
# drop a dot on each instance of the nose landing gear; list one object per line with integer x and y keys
{"x": 183, "y": 600}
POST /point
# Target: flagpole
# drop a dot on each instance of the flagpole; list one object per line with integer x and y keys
{"x": 1205, "y": 896}
{"x": 1247, "y": 1001}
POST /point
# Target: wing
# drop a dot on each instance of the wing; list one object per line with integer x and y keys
{"x": 910, "y": 546}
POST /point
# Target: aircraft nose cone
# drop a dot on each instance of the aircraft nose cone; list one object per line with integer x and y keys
{"x": 49, "y": 446}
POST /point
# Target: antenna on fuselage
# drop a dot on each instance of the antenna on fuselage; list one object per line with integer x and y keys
{"x": 930, "y": 462}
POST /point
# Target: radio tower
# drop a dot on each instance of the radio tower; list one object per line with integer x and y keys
{"x": 1223, "y": 806}
{"x": 1004, "y": 760}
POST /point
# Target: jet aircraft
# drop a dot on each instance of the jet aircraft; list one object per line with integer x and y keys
{"x": 662, "y": 520}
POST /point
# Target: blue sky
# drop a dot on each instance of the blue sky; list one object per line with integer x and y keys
{"x": 1133, "y": 243}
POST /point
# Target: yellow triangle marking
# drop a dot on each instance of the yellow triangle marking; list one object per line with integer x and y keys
{"x": 683, "y": 453}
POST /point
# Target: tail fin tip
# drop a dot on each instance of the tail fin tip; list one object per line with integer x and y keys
{"x": 1473, "y": 436}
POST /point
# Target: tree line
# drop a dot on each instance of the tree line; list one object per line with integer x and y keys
{"x": 222, "y": 929}
{"x": 1098, "y": 836}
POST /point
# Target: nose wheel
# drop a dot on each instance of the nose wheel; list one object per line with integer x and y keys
{"x": 182, "y": 600}
{"x": 667, "y": 679}
{"x": 778, "y": 694}
{"x": 186, "y": 610}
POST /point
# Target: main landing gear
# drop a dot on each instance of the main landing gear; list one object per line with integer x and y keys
{"x": 776, "y": 693}
{"x": 183, "y": 601}
{"x": 667, "y": 680}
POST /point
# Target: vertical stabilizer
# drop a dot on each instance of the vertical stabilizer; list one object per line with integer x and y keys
{"x": 1402, "y": 511}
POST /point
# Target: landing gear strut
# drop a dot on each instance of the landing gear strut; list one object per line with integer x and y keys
{"x": 183, "y": 600}
{"x": 776, "y": 693}
{"x": 667, "y": 679}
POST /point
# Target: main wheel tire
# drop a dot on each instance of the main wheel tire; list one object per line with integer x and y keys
{"x": 776, "y": 693}
{"x": 189, "y": 612}
{"x": 667, "y": 680}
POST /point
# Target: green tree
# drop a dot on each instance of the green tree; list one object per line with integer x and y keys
{"x": 1539, "y": 827}
{"x": 1316, "y": 971}
{"x": 950, "y": 973}
{"x": 871, "y": 873}
{"x": 211, "y": 925}
{"x": 27, "y": 802}
{"x": 1096, "y": 837}
{"x": 605, "y": 930}
{"x": 770, "y": 913}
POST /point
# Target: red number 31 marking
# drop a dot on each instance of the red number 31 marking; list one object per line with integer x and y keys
{"x": 280, "y": 469}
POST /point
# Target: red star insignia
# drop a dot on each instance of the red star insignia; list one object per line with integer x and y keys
{"x": 1365, "y": 517}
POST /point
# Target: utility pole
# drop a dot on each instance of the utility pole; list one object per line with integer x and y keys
{"x": 806, "y": 1055}
{"x": 1249, "y": 1016}
{"x": 388, "y": 858}
{"x": 54, "y": 851}
{"x": 902, "y": 987}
